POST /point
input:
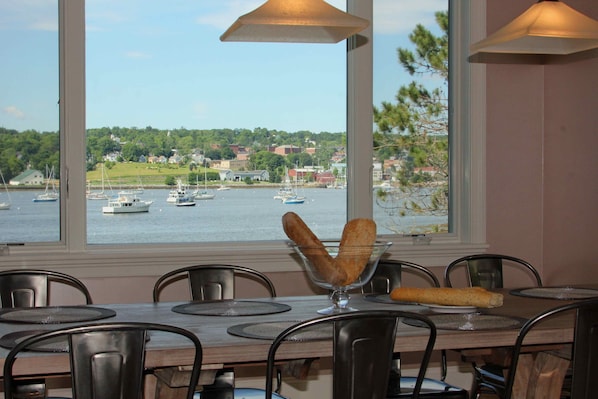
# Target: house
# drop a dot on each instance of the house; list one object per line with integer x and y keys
{"x": 254, "y": 175}
{"x": 285, "y": 150}
{"x": 325, "y": 178}
{"x": 30, "y": 177}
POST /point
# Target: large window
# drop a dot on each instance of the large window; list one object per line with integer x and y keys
{"x": 127, "y": 85}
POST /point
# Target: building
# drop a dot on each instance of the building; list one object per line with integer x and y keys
{"x": 30, "y": 177}
{"x": 285, "y": 150}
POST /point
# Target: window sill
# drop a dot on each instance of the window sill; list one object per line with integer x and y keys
{"x": 152, "y": 261}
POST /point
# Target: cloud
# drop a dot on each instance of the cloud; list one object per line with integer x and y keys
{"x": 392, "y": 16}
{"x": 29, "y": 14}
{"x": 233, "y": 10}
{"x": 14, "y": 112}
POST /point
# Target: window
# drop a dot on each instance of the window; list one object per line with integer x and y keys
{"x": 467, "y": 196}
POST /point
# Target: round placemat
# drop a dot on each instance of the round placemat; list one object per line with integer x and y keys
{"x": 469, "y": 321}
{"x": 231, "y": 308}
{"x": 54, "y": 314}
{"x": 564, "y": 293}
{"x": 58, "y": 344}
{"x": 270, "y": 330}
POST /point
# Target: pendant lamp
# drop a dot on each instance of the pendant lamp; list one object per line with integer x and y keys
{"x": 296, "y": 21}
{"x": 548, "y": 27}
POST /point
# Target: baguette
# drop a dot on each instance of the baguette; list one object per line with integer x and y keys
{"x": 313, "y": 249}
{"x": 355, "y": 247}
{"x": 472, "y": 296}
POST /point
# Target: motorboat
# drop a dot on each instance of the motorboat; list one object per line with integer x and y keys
{"x": 179, "y": 194}
{"x": 185, "y": 201}
{"x": 126, "y": 204}
{"x": 293, "y": 200}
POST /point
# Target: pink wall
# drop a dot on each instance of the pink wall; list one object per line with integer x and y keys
{"x": 542, "y": 141}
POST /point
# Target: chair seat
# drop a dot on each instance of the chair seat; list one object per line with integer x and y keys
{"x": 239, "y": 393}
{"x": 431, "y": 388}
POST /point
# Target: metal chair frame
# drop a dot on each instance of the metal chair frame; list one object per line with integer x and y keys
{"x": 107, "y": 359}
{"x": 584, "y": 383}
{"x": 388, "y": 276}
{"x": 30, "y": 287}
{"x": 362, "y": 348}
{"x": 211, "y": 281}
{"x": 486, "y": 270}
{"x": 215, "y": 282}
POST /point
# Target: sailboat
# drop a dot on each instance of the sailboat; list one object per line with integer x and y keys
{"x": 133, "y": 191}
{"x": 204, "y": 194}
{"x": 98, "y": 195}
{"x": 287, "y": 194}
{"x": 50, "y": 194}
{"x": 4, "y": 203}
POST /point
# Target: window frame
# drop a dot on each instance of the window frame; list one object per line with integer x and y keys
{"x": 73, "y": 255}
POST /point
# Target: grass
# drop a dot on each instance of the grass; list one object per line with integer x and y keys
{"x": 134, "y": 174}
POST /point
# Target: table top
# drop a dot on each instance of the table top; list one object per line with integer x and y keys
{"x": 221, "y": 348}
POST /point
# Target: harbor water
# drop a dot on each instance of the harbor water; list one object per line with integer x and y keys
{"x": 241, "y": 214}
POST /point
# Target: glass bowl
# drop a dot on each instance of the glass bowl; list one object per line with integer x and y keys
{"x": 353, "y": 268}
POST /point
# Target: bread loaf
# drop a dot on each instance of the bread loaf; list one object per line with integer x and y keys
{"x": 356, "y": 247}
{"x": 313, "y": 249}
{"x": 472, "y": 296}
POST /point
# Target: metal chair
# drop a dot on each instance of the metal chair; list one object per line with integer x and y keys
{"x": 486, "y": 270}
{"x": 584, "y": 384}
{"x": 106, "y": 360}
{"x": 212, "y": 281}
{"x": 387, "y": 277}
{"x": 216, "y": 282}
{"x": 26, "y": 288}
{"x": 362, "y": 347}
{"x": 30, "y": 288}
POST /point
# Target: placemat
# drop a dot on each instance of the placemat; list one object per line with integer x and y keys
{"x": 469, "y": 321}
{"x": 231, "y": 308}
{"x": 54, "y": 314}
{"x": 270, "y": 330}
{"x": 564, "y": 293}
{"x": 58, "y": 344}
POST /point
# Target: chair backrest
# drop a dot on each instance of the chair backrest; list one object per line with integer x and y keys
{"x": 362, "y": 349}
{"x": 389, "y": 275}
{"x": 212, "y": 281}
{"x": 486, "y": 270}
{"x": 585, "y": 347}
{"x": 30, "y": 288}
{"x": 107, "y": 360}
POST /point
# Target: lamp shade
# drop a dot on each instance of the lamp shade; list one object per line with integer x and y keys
{"x": 299, "y": 21}
{"x": 547, "y": 27}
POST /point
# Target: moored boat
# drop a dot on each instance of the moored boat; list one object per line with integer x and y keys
{"x": 294, "y": 199}
{"x": 126, "y": 204}
{"x": 179, "y": 194}
{"x": 51, "y": 193}
{"x": 4, "y": 203}
{"x": 186, "y": 201}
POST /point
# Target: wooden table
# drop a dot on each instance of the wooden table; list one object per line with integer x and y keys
{"x": 222, "y": 349}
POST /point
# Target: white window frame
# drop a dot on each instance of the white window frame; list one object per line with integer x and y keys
{"x": 73, "y": 255}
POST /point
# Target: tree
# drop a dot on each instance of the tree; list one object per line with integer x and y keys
{"x": 269, "y": 161}
{"x": 415, "y": 130}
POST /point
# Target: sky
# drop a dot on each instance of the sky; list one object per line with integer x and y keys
{"x": 160, "y": 63}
